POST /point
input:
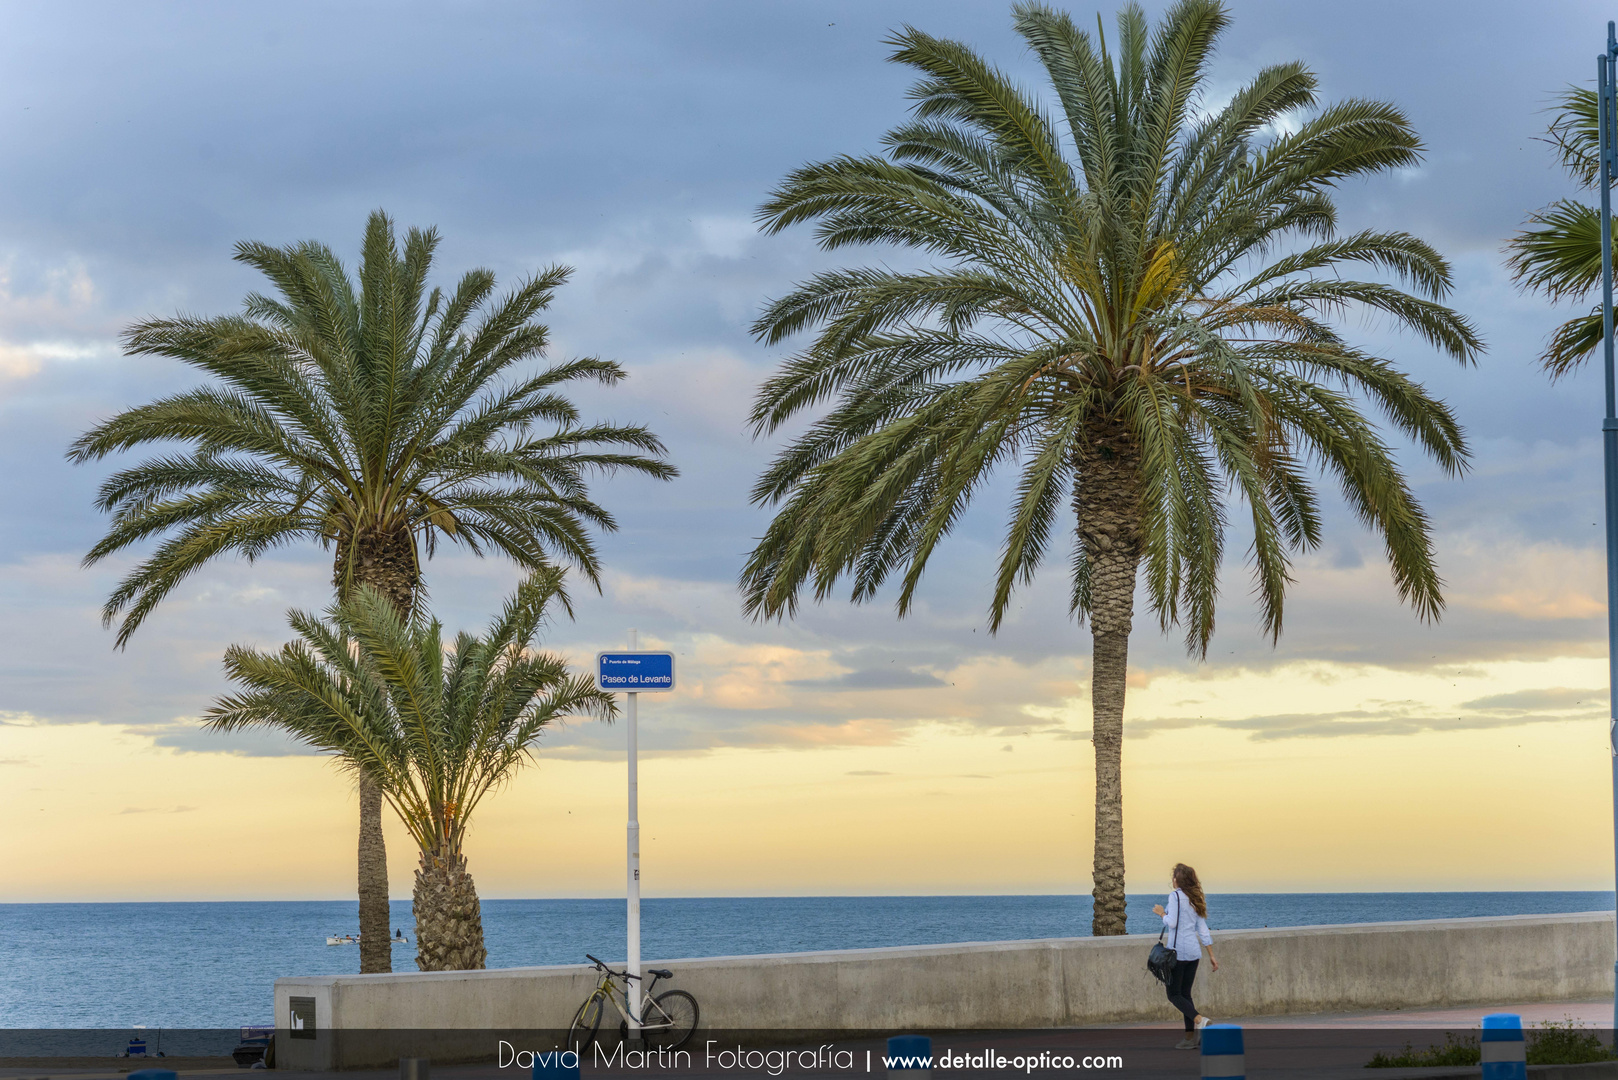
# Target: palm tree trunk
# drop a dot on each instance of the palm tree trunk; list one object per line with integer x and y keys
{"x": 387, "y": 562}
{"x": 1108, "y": 505}
{"x": 376, "y": 954}
{"x": 1109, "y": 671}
{"x": 449, "y": 920}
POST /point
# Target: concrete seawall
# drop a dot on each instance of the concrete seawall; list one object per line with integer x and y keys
{"x": 1056, "y": 982}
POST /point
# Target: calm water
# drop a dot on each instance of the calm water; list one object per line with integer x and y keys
{"x": 211, "y": 965}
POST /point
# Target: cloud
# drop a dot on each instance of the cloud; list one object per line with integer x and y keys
{"x": 157, "y": 810}
{"x": 52, "y": 297}
{"x": 757, "y": 732}
{"x": 868, "y": 772}
{"x": 1340, "y": 725}
{"x": 670, "y": 277}
{"x": 189, "y": 737}
{"x": 21, "y": 361}
{"x": 1546, "y": 581}
{"x": 874, "y": 679}
{"x": 44, "y": 319}
{"x": 15, "y": 761}
{"x": 19, "y": 719}
{"x": 1553, "y": 699}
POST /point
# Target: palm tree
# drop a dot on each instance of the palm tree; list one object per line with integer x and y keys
{"x": 1559, "y": 254}
{"x": 1108, "y": 311}
{"x": 375, "y": 418}
{"x": 436, "y": 728}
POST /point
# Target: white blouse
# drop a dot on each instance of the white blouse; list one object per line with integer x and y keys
{"x": 1184, "y": 935}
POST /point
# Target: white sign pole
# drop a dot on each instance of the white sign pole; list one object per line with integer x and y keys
{"x": 634, "y": 865}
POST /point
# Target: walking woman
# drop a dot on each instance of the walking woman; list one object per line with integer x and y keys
{"x": 1186, "y": 920}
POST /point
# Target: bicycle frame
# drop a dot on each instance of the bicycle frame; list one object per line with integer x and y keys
{"x": 608, "y": 987}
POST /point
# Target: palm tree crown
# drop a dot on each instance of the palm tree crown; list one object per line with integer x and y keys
{"x": 1559, "y": 254}
{"x": 374, "y": 416}
{"x": 437, "y": 725}
{"x": 1129, "y": 304}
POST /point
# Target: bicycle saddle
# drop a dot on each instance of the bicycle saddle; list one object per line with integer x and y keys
{"x": 661, "y": 973}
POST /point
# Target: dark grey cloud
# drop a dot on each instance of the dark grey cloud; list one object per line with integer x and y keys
{"x": 634, "y": 141}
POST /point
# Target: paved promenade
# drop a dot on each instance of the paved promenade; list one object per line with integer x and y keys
{"x": 1320, "y": 1046}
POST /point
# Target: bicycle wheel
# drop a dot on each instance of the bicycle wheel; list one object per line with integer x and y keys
{"x": 670, "y": 1019}
{"x": 586, "y": 1022}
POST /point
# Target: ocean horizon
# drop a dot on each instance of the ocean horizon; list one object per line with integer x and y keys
{"x": 212, "y": 963}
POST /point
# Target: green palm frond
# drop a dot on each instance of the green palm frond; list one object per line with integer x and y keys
{"x": 345, "y": 406}
{"x": 1114, "y": 269}
{"x": 1575, "y": 132}
{"x": 436, "y": 724}
{"x": 1558, "y": 252}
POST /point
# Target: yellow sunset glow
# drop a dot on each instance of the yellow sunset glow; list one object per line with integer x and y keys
{"x": 882, "y": 805}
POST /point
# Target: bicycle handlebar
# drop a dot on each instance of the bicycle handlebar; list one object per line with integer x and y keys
{"x": 608, "y": 970}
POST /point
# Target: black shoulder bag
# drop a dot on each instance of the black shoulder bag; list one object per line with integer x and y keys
{"x": 1161, "y": 960}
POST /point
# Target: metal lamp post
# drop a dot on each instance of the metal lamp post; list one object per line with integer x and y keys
{"x": 1607, "y": 145}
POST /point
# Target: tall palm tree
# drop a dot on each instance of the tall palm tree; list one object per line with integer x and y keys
{"x": 1559, "y": 254}
{"x": 374, "y": 417}
{"x": 436, "y": 727}
{"x": 1130, "y": 307}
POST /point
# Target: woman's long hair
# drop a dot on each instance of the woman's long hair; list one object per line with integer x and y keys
{"x": 1185, "y": 879}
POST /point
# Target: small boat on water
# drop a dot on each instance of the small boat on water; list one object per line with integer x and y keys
{"x": 354, "y": 939}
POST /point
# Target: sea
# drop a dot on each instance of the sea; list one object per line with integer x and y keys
{"x": 213, "y": 964}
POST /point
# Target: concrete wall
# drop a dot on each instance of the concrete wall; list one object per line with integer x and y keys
{"x": 1008, "y": 984}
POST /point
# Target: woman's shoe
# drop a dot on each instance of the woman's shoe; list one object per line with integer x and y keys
{"x": 1190, "y": 1042}
{"x": 1202, "y": 1022}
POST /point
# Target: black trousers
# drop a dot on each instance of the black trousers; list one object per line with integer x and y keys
{"x": 1180, "y": 980}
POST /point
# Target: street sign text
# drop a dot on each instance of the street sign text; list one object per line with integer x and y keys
{"x": 634, "y": 672}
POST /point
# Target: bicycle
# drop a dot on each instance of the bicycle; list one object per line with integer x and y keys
{"x": 666, "y": 1020}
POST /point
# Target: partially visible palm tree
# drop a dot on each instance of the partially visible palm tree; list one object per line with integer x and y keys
{"x": 1132, "y": 307}
{"x": 437, "y": 725}
{"x": 1559, "y": 254}
{"x": 375, "y": 417}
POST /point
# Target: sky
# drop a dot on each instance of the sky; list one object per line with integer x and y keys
{"x": 847, "y": 751}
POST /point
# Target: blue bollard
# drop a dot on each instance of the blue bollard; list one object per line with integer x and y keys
{"x": 1223, "y": 1055}
{"x": 1505, "y": 1052}
{"x": 154, "y": 1074}
{"x": 557, "y": 1065}
{"x": 914, "y": 1049}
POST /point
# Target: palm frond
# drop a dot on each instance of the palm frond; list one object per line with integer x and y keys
{"x": 436, "y": 727}
{"x": 344, "y": 406}
{"x": 1130, "y": 289}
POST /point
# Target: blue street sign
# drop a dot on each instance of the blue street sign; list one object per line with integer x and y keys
{"x": 634, "y": 672}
